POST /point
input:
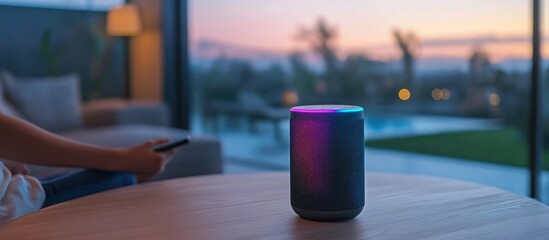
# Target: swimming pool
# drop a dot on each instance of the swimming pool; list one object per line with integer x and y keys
{"x": 375, "y": 126}
{"x": 384, "y": 126}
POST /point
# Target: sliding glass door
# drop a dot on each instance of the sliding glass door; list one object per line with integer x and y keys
{"x": 446, "y": 84}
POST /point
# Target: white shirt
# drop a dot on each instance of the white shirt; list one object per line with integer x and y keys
{"x": 19, "y": 195}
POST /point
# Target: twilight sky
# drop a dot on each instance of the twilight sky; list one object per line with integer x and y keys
{"x": 446, "y": 28}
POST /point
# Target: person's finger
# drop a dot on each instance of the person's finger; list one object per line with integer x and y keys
{"x": 25, "y": 170}
{"x": 167, "y": 156}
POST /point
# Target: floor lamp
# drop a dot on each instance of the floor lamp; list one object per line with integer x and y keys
{"x": 124, "y": 21}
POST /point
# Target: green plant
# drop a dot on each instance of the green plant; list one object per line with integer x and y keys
{"x": 47, "y": 54}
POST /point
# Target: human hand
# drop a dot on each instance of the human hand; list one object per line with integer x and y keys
{"x": 143, "y": 161}
{"x": 16, "y": 167}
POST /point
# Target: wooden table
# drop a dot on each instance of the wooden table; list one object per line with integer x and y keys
{"x": 256, "y": 206}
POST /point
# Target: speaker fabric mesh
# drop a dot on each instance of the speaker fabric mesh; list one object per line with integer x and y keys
{"x": 327, "y": 164}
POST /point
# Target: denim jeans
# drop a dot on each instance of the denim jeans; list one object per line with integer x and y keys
{"x": 82, "y": 183}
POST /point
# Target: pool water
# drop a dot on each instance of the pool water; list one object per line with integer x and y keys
{"x": 384, "y": 126}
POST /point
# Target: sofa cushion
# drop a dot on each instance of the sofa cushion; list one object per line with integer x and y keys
{"x": 108, "y": 112}
{"x": 52, "y": 103}
{"x": 5, "y": 107}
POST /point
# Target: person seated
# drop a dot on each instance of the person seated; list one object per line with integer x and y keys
{"x": 104, "y": 167}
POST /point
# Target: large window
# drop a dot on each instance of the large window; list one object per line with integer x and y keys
{"x": 445, "y": 84}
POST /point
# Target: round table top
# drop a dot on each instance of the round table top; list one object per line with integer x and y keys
{"x": 256, "y": 206}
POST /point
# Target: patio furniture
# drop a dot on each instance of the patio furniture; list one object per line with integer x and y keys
{"x": 251, "y": 106}
{"x": 256, "y": 206}
{"x": 257, "y": 109}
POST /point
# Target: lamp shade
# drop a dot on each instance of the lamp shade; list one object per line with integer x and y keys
{"x": 123, "y": 20}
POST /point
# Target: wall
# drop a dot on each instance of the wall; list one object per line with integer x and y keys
{"x": 77, "y": 44}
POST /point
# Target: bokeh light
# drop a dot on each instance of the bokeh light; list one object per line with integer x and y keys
{"x": 404, "y": 94}
{"x": 494, "y": 99}
{"x": 290, "y": 98}
{"x": 436, "y": 94}
{"x": 446, "y": 94}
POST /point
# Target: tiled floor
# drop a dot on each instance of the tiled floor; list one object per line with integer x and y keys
{"x": 510, "y": 178}
{"x": 232, "y": 168}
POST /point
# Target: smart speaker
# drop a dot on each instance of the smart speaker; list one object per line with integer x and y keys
{"x": 327, "y": 161}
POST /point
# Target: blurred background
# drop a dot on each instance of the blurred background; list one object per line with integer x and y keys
{"x": 445, "y": 84}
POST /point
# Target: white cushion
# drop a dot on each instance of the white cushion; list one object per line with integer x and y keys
{"x": 52, "y": 103}
{"x": 5, "y": 107}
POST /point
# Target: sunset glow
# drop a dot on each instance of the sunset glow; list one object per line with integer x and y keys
{"x": 444, "y": 27}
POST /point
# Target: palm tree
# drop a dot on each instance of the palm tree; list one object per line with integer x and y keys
{"x": 408, "y": 45}
{"x": 479, "y": 65}
{"x": 322, "y": 40}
